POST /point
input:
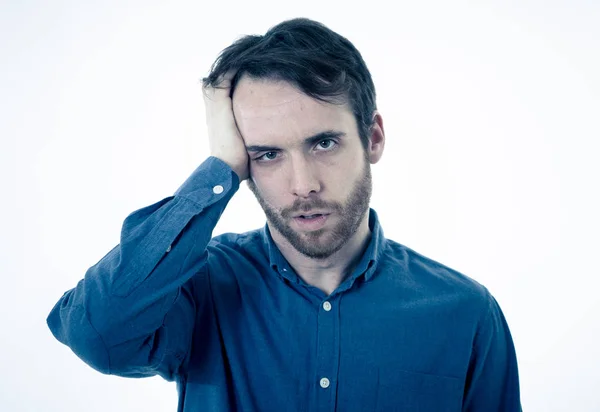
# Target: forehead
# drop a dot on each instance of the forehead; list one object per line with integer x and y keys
{"x": 267, "y": 109}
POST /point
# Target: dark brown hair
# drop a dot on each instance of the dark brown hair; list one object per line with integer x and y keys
{"x": 310, "y": 56}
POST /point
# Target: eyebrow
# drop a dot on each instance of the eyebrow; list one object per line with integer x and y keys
{"x": 309, "y": 141}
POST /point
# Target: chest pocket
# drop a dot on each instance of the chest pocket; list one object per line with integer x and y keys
{"x": 404, "y": 391}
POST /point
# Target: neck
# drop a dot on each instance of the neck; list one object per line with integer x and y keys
{"x": 326, "y": 274}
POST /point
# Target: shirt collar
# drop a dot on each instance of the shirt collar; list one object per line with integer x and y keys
{"x": 366, "y": 265}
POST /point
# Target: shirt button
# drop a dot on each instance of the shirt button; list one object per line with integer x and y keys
{"x": 327, "y": 306}
{"x": 169, "y": 249}
{"x": 324, "y": 383}
{"x": 218, "y": 189}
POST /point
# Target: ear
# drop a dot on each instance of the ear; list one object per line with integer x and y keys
{"x": 376, "y": 139}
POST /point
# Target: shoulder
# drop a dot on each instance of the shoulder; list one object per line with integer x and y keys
{"x": 236, "y": 241}
{"x": 425, "y": 276}
{"x": 232, "y": 253}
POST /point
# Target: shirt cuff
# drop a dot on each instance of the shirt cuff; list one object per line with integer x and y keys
{"x": 211, "y": 181}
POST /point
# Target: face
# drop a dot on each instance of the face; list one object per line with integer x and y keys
{"x": 308, "y": 168}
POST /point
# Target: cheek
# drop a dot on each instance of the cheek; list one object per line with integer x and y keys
{"x": 344, "y": 182}
{"x": 342, "y": 173}
{"x": 270, "y": 187}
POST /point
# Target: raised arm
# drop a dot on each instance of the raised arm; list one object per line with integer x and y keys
{"x": 133, "y": 313}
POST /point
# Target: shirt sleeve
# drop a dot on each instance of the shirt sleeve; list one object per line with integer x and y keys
{"x": 493, "y": 378}
{"x": 133, "y": 312}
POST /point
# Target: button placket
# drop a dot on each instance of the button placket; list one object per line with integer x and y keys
{"x": 327, "y": 356}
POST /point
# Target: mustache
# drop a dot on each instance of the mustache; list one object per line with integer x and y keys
{"x": 304, "y": 206}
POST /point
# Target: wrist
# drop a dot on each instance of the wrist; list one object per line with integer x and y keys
{"x": 241, "y": 171}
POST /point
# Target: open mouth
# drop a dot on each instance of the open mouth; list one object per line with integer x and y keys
{"x": 309, "y": 217}
{"x": 312, "y": 222}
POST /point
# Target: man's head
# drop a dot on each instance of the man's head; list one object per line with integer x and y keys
{"x": 318, "y": 61}
{"x": 304, "y": 103}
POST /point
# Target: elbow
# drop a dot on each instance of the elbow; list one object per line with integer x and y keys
{"x": 70, "y": 326}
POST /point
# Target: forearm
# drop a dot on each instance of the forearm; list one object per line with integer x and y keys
{"x": 114, "y": 318}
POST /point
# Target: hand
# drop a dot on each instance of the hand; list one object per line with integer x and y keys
{"x": 225, "y": 140}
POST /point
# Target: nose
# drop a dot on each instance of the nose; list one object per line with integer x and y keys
{"x": 304, "y": 180}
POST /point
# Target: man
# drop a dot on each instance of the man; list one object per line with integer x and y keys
{"x": 317, "y": 311}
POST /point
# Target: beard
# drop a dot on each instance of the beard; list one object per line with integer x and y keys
{"x": 324, "y": 242}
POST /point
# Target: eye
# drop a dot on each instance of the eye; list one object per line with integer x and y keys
{"x": 267, "y": 157}
{"x": 326, "y": 144}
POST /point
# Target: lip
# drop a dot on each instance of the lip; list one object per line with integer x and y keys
{"x": 312, "y": 224}
{"x": 312, "y": 212}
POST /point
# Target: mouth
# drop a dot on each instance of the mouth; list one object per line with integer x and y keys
{"x": 310, "y": 222}
{"x": 309, "y": 216}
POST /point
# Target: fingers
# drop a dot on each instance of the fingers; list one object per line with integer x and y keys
{"x": 226, "y": 78}
{"x": 224, "y": 137}
{"x": 222, "y": 86}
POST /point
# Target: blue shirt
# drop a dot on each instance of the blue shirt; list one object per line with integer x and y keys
{"x": 230, "y": 321}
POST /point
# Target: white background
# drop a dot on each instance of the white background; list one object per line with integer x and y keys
{"x": 491, "y": 112}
